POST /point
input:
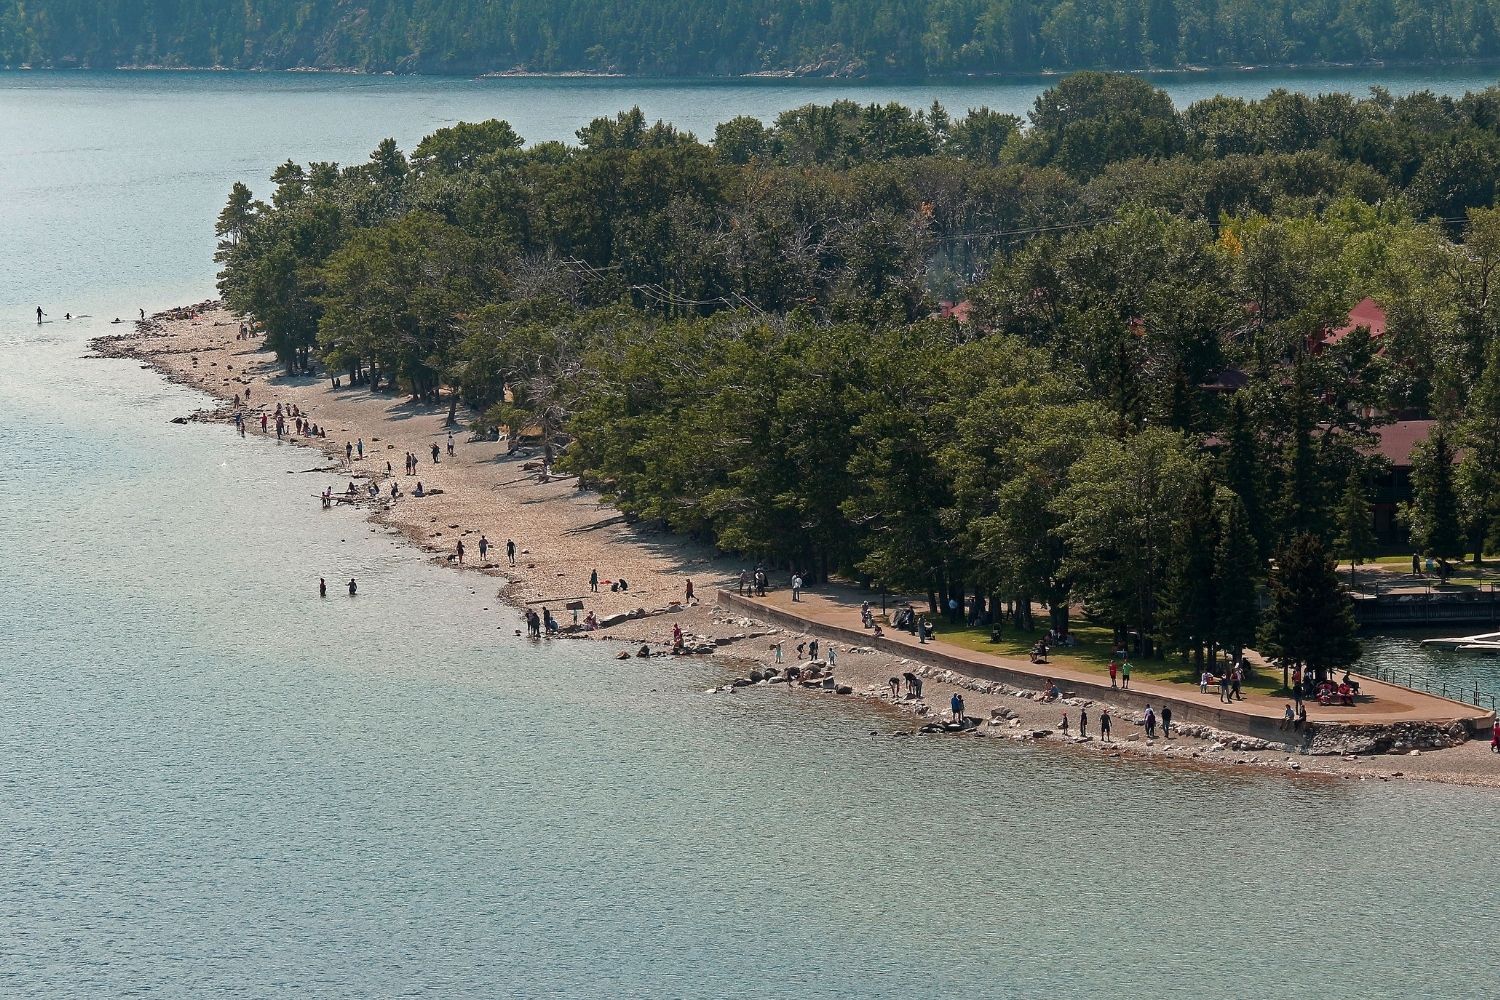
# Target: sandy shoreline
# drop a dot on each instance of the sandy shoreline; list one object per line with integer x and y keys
{"x": 562, "y": 533}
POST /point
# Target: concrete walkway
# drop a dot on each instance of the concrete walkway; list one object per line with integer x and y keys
{"x": 834, "y": 612}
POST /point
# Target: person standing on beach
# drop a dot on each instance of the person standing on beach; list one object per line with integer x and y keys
{"x": 360, "y": 447}
{"x": 594, "y": 580}
{"x": 1166, "y": 721}
{"x": 510, "y": 551}
{"x": 484, "y": 546}
{"x": 322, "y": 587}
{"x": 956, "y": 703}
{"x": 348, "y": 452}
{"x": 460, "y": 551}
{"x": 450, "y": 444}
{"x": 143, "y": 315}
{"x": 833, "y": 658}
{"x": 435, "y": 453}
{"x": 687, "y": 594}
{"x": 1083, "y": 722}
{"x": 812, "y": 650}
{"x": 1104, "y": 725}
{"x": 353, "y": 587}
{"x": 1150, "y": 723}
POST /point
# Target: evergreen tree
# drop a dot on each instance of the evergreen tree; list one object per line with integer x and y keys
{"x": 1236, "y": 569}
{"x": 1356, "y": 523}
{"x": 1479, "y": 471}
{"x": 1244, "y": 475}
{"x": 1432, "y": 513}
{"x": 1189, "y": 603}
{"x": 1310, "y": 623}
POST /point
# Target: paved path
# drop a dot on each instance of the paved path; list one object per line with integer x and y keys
{"x": 1380, "y": 703}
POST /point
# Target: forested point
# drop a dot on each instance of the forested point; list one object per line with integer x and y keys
{"x": 672, "y": 37}
{"x": 1118, "y": 354}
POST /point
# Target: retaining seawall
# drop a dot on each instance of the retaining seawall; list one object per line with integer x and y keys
{"x": 1334, "y": 737}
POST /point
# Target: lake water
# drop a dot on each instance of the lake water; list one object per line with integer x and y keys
{"x": 214, "y": 784}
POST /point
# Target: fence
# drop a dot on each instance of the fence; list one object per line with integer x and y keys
{"x": 1443, "y": 688}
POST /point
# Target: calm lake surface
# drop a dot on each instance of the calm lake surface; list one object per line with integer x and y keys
{"x": 214, "y": 784}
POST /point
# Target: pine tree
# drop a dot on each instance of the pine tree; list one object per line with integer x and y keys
{"x": 1302, "y": 490}
{"x": 1432, "y": 513}
{"x": 1187, "y": 616}
{"x": 1236, "y": 569}
{"x": 1356, "y": 529}
{"x": 1243, "y": 473}
{"x": 1479, "y": 472}
{"x": 1310, "y": 622}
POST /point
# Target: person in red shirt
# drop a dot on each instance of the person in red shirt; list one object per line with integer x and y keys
{"x": 1114, "y": 669}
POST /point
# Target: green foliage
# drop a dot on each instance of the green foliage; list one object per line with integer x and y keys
{"x": 1310, "y": 622}
{"x": 743, "y": 340}
{"x": 660, "y": 38}
{"x": 1356, "y": 540}
{"x": 1433, "y": 514}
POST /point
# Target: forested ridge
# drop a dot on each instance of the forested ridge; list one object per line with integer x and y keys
{"x": 672, "y": 37}
{"x": 746, "y": 338}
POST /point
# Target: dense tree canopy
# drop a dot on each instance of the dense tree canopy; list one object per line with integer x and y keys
{"x": 672, "y": 37}
{"x": 1139, "y": 401}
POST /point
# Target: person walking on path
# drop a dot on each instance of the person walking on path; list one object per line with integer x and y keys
{"x": 1224, "y": 688}
{"x": 957, "y": 704}
{"x": 594, "y": 580}
{"x": 322, "y": 587}
{"x": 796, "y": 587}
{"x": 1083, "y": 722}
{"x": 510, "y": 551}
{"x": 1166, "y": 721}
{"x": 1114, "y": 672}
{"x": 1237, "y": 678}
{"x": 1125, "y": 675}
{"x": 1150, "y": 723}
{"x": 460, "y": 551}
{"x": 1104, "y": 725}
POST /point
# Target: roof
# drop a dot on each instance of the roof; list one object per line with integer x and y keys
{"x": 959, "y": 312}
{"x": 1366, "y": 313}
{"x": 1396, "y": 441}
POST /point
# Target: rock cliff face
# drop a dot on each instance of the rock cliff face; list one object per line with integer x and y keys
{"x": 1401, "y": 737}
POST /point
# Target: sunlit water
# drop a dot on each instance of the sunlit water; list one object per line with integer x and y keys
{"x": 213, "y": 783}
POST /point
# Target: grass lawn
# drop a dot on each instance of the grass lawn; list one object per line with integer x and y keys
{"x": 1091, "y": 655}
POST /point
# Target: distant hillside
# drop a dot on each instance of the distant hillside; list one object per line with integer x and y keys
{"x": 691, "y": 37}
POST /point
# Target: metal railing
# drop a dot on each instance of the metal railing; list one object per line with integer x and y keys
{"x": 1444, "y": 689}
